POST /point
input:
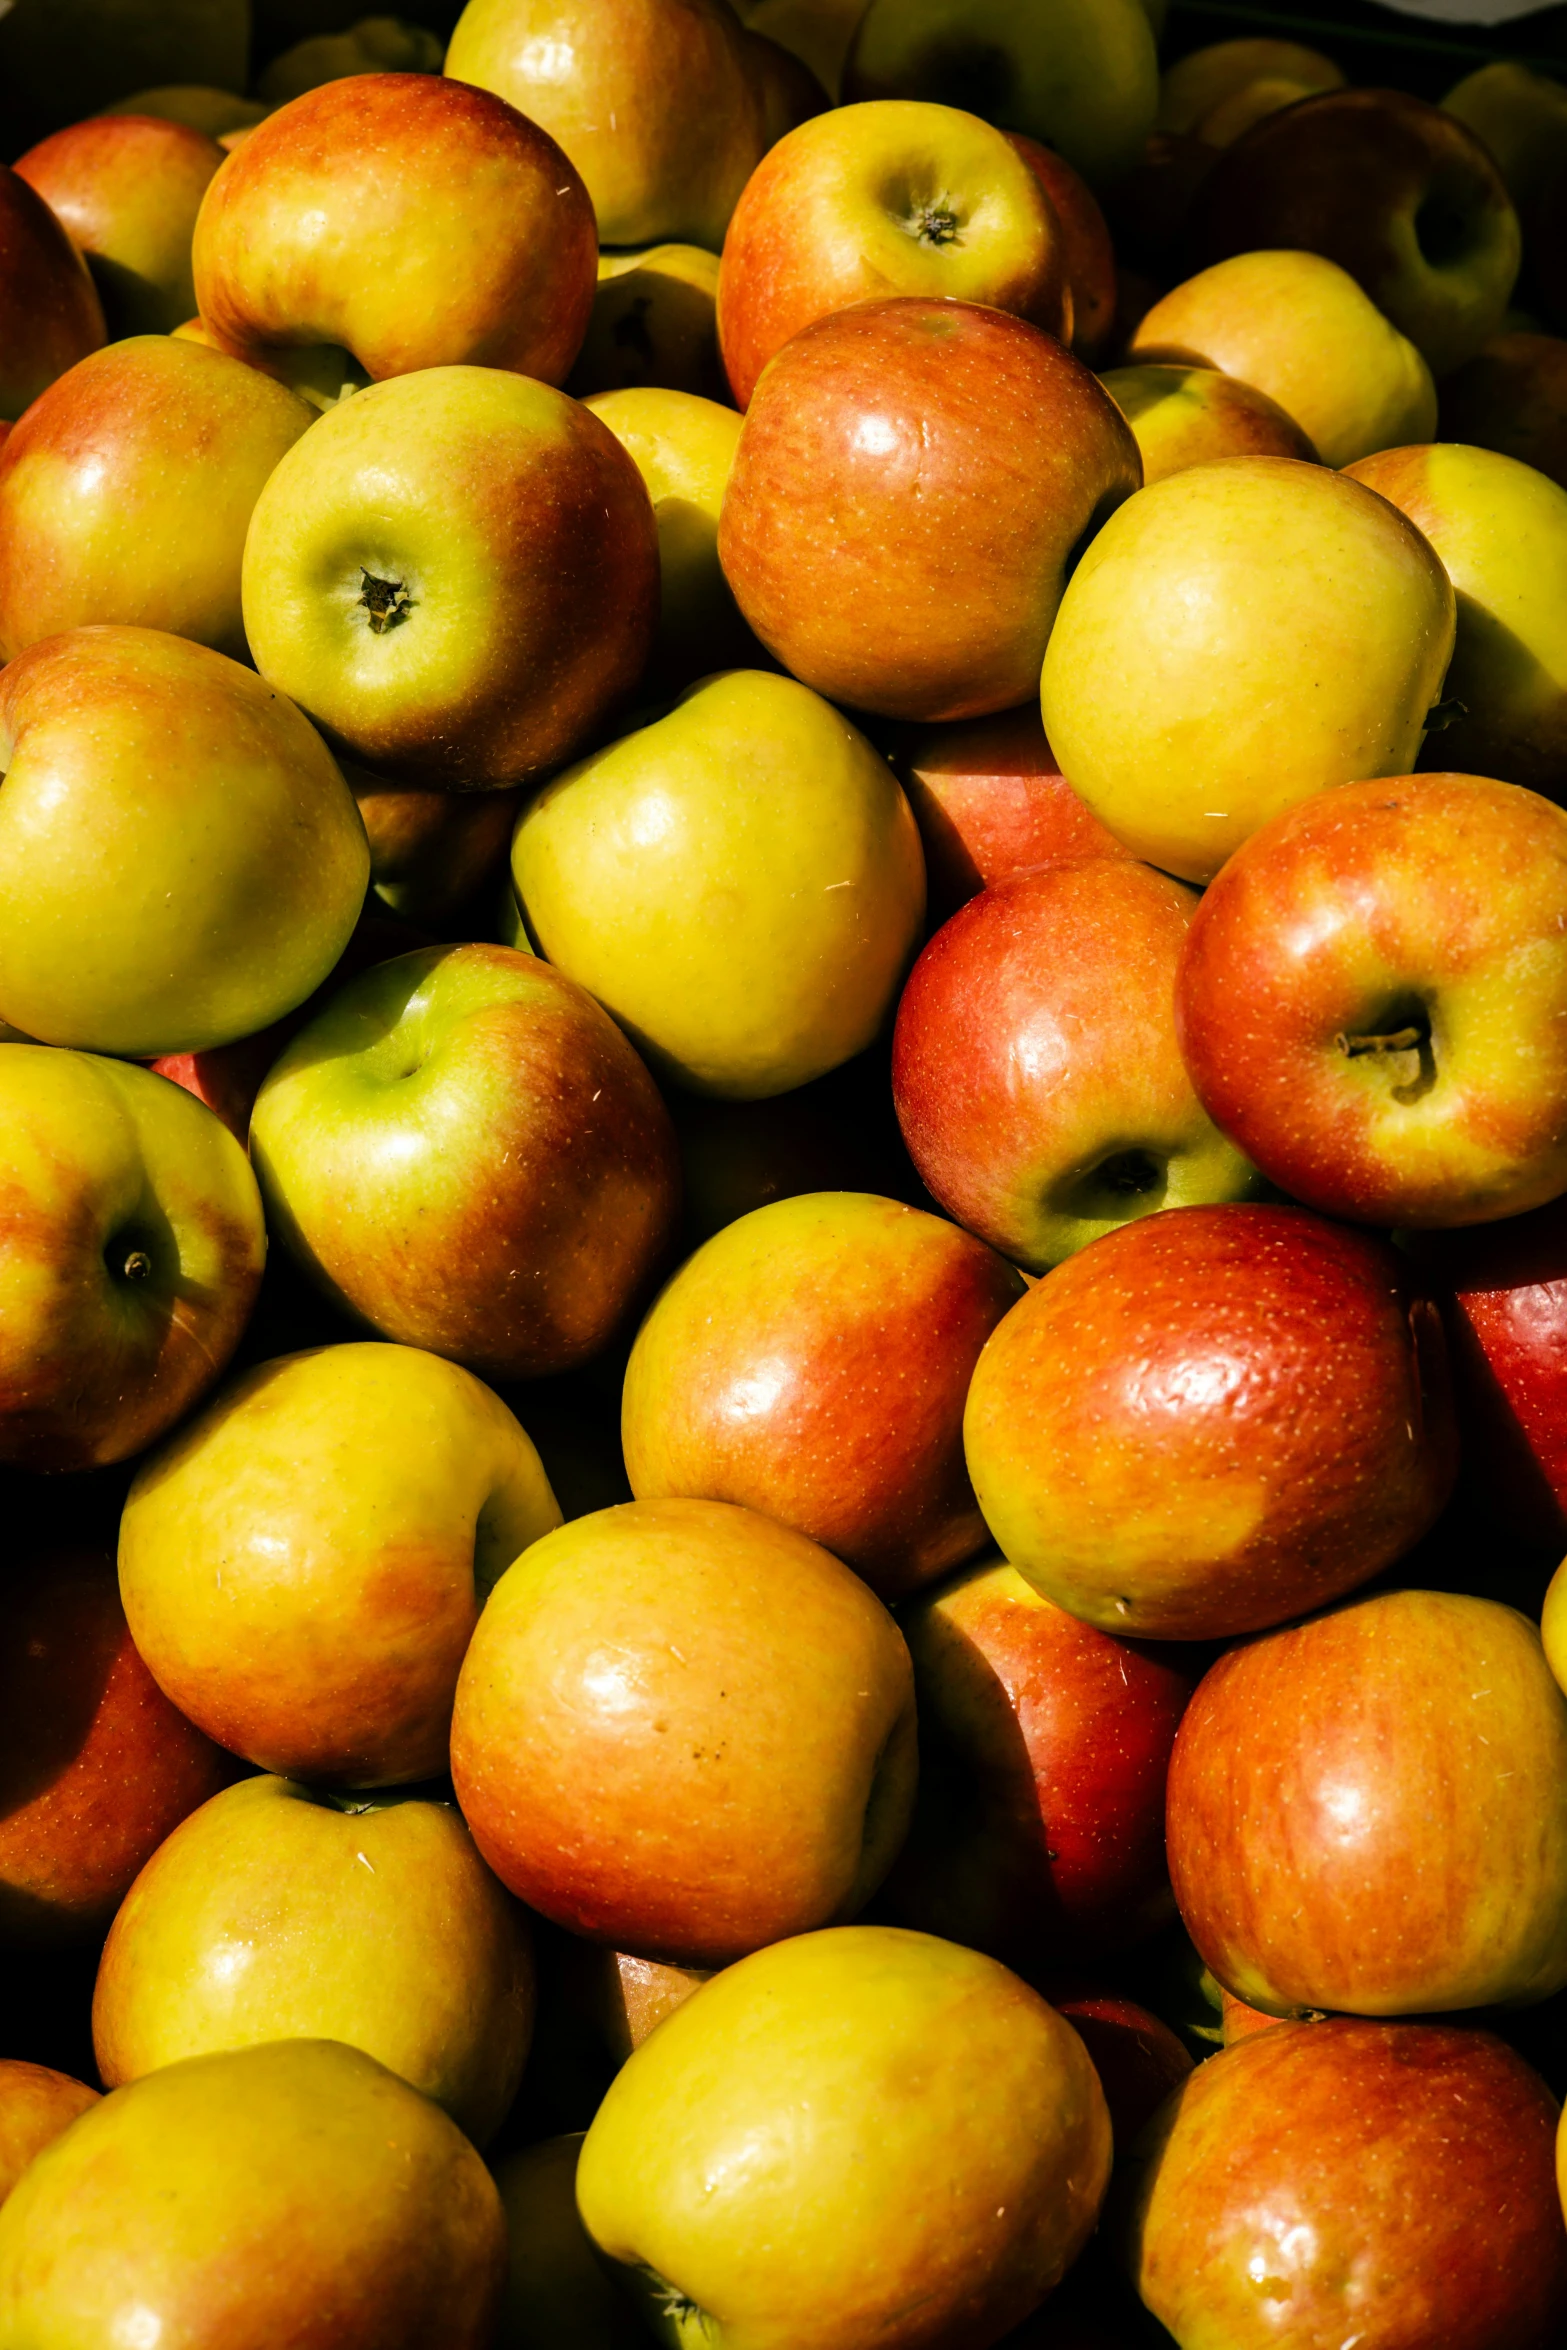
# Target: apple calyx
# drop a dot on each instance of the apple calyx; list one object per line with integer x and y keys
{"x": 137, "y": 1265}
{"x": 677, "y": 2320}
{"x": 386, "y": 600}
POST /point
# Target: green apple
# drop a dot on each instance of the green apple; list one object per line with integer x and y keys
{"x": 131, "y": 1247}
{"x": 36, "y": 2104}
{"x": 280, "y": 1912}
{"x": 61, "y": 59}
{"x": 683, "y": 447}
{"x": 863, "y": 2135}
{"x": 126, "y": 494}
{"x": 463, "y": 1150}
{"x": 1082, "y": 76}
{"x": 654, "y": 323}
{"x": 181, "y": 862}
{"x": 455, "y": 574}
{"x": 557, "y": 2291}
{"x": 241, "y": 2201}
{"x": 1238, "y": 637}
{"x": 1501, "y": 531}
{"x": 740, "y": 883}
{"x": 303, "y": 1565}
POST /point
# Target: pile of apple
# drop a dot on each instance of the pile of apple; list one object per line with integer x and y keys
{"x": 783, "y": 1184}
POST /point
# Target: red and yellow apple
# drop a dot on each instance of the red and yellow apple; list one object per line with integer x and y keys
{"x": 50, "y": 315}
{"x": 36, "y": 2104}
{"x": 1085, "y": 242}
{"x": 1184, "y": 416}
{"x": 128, "y": 188}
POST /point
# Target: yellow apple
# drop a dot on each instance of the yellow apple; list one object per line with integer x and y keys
{"x": 654, "y": 322}
{"x": 684, "y": 447}
{"x": 1500, "y": 529}
{"x": 863, "y": 2135}
{"x": 1237, "y": 637}
{"x": 740, "y": 884}
{"x": 36, "y": 2104}
{"x": 279, "y": 1912}
{"x": 302, "y": 1566}
{"x": 1299, "y": 328}
{"x": 1183, "y": 416}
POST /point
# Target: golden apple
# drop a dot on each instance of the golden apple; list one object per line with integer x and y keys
{"x": 36, "y": 2104}
{"x": 1184, "y": 416}
{"x": 740, "y": 884}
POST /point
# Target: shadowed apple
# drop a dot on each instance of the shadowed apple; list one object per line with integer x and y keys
{"x": 128, "y": 187}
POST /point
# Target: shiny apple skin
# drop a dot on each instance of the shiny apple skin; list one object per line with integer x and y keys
{"x": 1512, "y": 396}
{"x": 1185, "y": 416}
{"x": 1383, "y": 2183}
{"x": 1211, "y": 1420}
{"x": 131, "y": 1249}
{"x": 1035, "y": 1070}
{"x": 127, "y": 189}
{"x": 517, "y": 1251}
{"x": 930, "y": 606}
{"x": 1089, "y": 251}
{"x": 232, "y": 2201}
{"x": 1433, "y": 900}
{"x": 126, "y": 494}
{"x": 811, "y": 1361}
{"x": 1039, "y": 1830}
{"x": 1346, "y": 174}
{"x": 990, "y": 800}
{"x": 1368, "y": 1812}
{"x": 302, "y": 1565}
{"x": 97, "y": 1766}
{"x": 485, "y": 233}
{"x": 713, "y": 1676}
{"x": 50, "y": 314}
{"x": 836, "y": 214}
{"x": 36, "y": 2104}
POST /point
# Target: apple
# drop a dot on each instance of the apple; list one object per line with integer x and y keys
{"x": 790, "y": 92}
{"x": 1414, "y": 1745}
{"x": 131, "y": 1255}
{"x": 624, "y": 1998}
{"x": 320, "y": 373}
{"x": 818, "y": 32}
{"x": 684, "y": 448}
{"x": 887, "y": 2131}
{"x": 1501, "y": 531}
{"x": 455, "y": 574}
{"x": 488, "y": 228}
{"x": 739, "y": 883}
{"x": 1299, "y": 330}
{"x": 303, "y": 1564}
{"x": 431, "y": 852}
{"x": 464, "y": 1152}
{"x": 1512, "y": 396}
{"x": 654, "y": 325}
{"x": 60, "y": 59}
{"x": 50, "y": 315}
{"x": 126, "y": 492}
{"x": 281, "y": 1912}
{"x": 128, "y": 187}
{"x": 885, "y": 199}
{"x": 658, "y": 103}
{"x": 1039, "y": 1831}
{"x": 1139, "y": 2060}
{"x": 1520, "y": 117}
{"x": 1035, "y": 1069}
{"x": 1079, "y": 75}
{"x": 228, "y": 2200}
{"x": 198, "y": 105}
{"x": 1211, "y": 1420}
{"x": 1400, "y": 194}
{"x": 96, "y": 1766}
{"x": 1086, "y": 245}
{"x": 377, "y": 44}
{"x": 1183, "y": 416}
{"x": 1211, "y": 77}
{"x": 990, "y": 801}
{"x": 718, "y": 1678}
{"x": 1237, "y": 638}
{"x": 811, "y": 1361}
{"x": 36, "y": 2104}
{"x": 914, "y": 481}
{"x": 1373, "y": 1001}
{"x": 1391, "y": 2182}
{"x": 556, "y": 2288}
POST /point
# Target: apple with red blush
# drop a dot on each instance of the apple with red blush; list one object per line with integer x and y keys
{"x": 50, "y": 314}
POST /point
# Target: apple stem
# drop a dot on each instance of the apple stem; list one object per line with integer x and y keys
{"x": 1402, "y": 1040}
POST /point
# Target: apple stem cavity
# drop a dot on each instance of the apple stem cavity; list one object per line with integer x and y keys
{"x": 386, "y": 600}
{"x": 1402, "y": 1040}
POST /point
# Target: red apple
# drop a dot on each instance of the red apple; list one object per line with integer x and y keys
{"x": 1512, "y": 396}
{"x": 485, "y": 245}
{"x": 1368, "y": 1812}
{"x": 990, "y": 800}
{"x": 1372, "y": 1000}
{"x": 889, "y": 198}
{"x": 36, "y": 2104}
{"x": 1399, "y": 193}
{"x": 1039, "y": 1831}
{"x": 1139, "y": 2060}
{"x": 1035, "y": 1070}
{"x": 912, "y": 484}
{"x": 1086, "y": 241}
{"x": 96, "y": 1765}
{"x": 1390, "y": 2185}
{"x": 1211, "y": 1420}
{"x": 50, "y": 315}
{"x": 128, "y": 188}
{"x": 811, "y": 1361}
